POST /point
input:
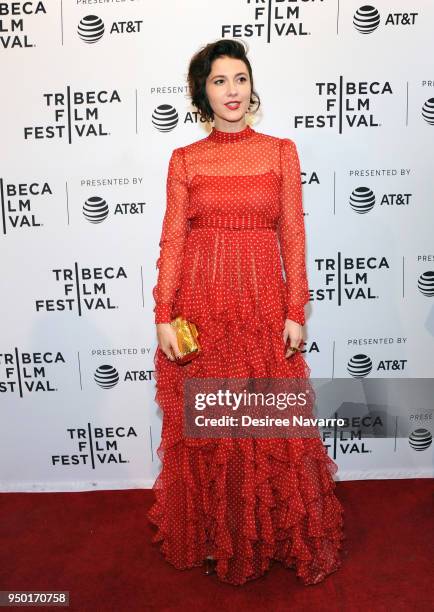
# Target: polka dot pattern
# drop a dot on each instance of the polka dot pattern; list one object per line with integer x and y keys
{"x": 265, "y": 192}
{"x": 233, "y": 224}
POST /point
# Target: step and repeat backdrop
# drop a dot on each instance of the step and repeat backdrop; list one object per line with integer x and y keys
{"x": 94, "y": 100}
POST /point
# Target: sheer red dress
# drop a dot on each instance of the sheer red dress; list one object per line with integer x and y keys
{"x": 233, "y": 216}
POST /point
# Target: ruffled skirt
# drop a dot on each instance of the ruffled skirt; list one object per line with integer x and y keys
{"x": 245, "y": 501}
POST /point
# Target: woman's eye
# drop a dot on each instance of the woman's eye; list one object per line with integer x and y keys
{"x": 221, "y": 80}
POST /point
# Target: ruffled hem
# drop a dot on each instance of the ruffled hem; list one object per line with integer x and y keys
{"x": 247, "y": 502}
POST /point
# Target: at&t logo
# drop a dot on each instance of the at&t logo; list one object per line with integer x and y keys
{"x": 165, "y": 118}
{"x": 107, "y": 376}
{"x": 362, "y": 200}
{"x": 420, "y": 439}
{"x": 96, "y": 209}
{"x": 425, "y": 283}
{"x": 91, "y": 28}
{"x": 361, "y": 365}
{"x": 367, "y": 19}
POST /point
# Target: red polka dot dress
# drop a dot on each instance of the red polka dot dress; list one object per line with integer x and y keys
{"x": 233, "y": 224}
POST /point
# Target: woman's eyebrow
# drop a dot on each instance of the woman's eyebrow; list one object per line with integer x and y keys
{"x": 222, "y": 75}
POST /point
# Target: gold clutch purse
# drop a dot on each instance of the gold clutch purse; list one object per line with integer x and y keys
{"x": 187, "y": 338}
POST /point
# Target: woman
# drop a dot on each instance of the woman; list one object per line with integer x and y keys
{"x": 233, "y": 198}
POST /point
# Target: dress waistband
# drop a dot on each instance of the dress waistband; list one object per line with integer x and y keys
{"x": 233, "y": 222}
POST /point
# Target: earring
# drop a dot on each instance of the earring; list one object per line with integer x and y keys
{"x": 249, "y": 118}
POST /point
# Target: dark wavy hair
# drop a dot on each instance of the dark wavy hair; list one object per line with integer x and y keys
{"x": 200, "y": 68}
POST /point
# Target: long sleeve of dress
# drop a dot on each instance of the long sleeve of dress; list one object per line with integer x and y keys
{"x": 173, "y": 236}
{"x": 291, "y": 233}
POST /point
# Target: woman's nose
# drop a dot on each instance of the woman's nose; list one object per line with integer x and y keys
{"x": 232, "y": 88}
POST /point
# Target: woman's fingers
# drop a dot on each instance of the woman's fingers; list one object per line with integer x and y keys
{"x": 168, "y": 354}
{"x": 167, "y": 341}
{"x": 293, "y": 341}
{"x": 289, "y": 352}
{"x": 171, "y": 350}
{"x": 175, "y": 349}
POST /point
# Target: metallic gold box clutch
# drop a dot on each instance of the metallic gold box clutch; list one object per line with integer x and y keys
{"x": 187, "y": 338}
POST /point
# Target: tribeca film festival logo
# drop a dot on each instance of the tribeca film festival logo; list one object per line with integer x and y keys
{"x": 13, "y": 19}
{"x": 17, "y": 200}
{"x": 75, "y": 114}
{"x": 23, "y": 372}
{"x": 347, "y": 104}
{"x": 95, "y": 446}
{"x": 84, "y": 289}
{"x": 350, "y": 441}
{"x": 283, "y": 18}
{"x": 91, "y": 28}
{"x": 268, "y": 19}
{"x": 347, "y": 279}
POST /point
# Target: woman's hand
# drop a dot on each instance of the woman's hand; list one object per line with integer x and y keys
{"x": 167, "y": 341}
{"x": 293, "y": 333}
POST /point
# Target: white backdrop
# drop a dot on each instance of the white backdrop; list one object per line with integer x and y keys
{"x": 94, "y": 100}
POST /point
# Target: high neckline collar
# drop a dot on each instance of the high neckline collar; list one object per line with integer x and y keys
{"x": 226, "y": 137}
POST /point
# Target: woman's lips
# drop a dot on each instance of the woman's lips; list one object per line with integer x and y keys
{"x": 232, "y": 105}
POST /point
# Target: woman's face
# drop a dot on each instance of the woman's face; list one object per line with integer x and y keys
{"x": 228, "y": 88}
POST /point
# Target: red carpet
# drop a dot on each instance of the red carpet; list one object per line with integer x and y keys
{"x": 97, "y": 545}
